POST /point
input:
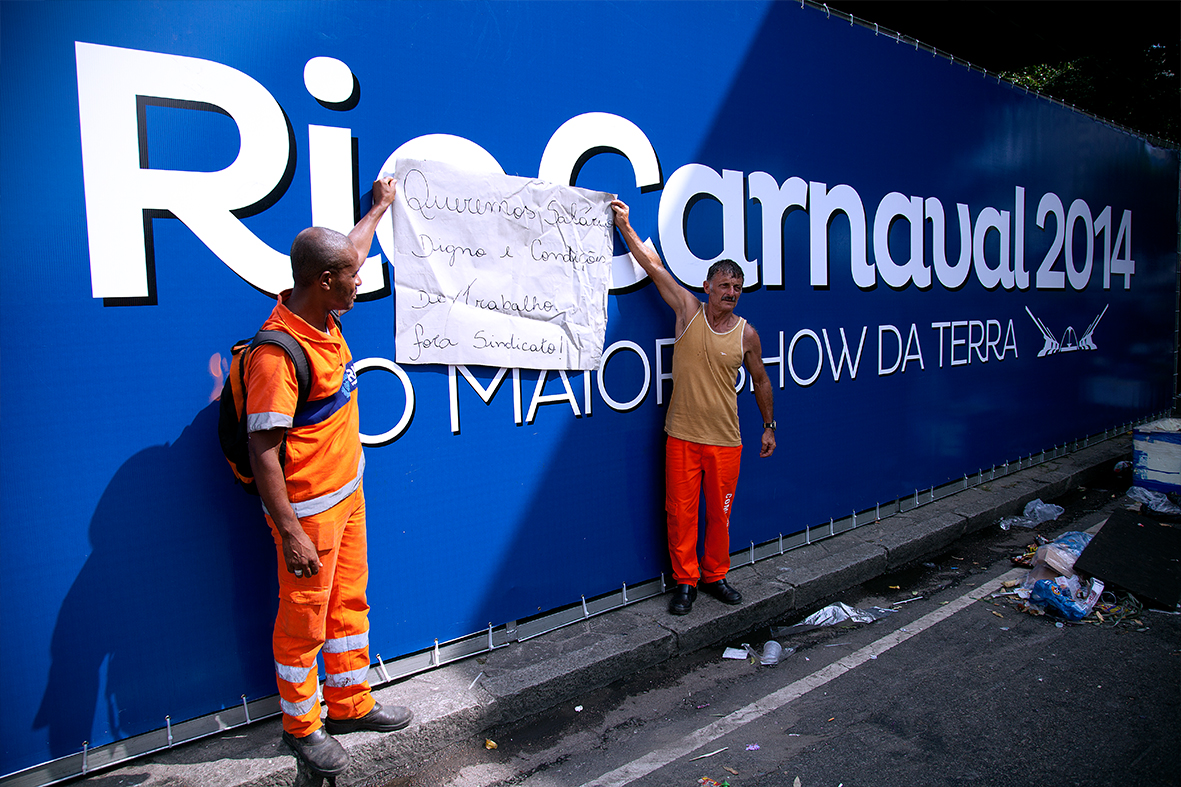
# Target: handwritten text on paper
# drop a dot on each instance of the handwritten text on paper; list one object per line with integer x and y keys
{"x": 498, "y": 270}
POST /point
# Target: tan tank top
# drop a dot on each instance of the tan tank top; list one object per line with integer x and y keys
{"x": 703, "y": 407}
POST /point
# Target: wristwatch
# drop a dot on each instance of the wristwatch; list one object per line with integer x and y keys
{"x": 769, "y": 425}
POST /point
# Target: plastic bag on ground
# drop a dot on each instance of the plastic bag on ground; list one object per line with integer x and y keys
{"x": 839, "y": 613}
{"x": 1042, "y": 512}
{"x": 1035, "y": 513}
{"x": 1154, "y": 500}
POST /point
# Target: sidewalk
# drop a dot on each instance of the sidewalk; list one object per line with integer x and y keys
{"x": 524, "y": 678}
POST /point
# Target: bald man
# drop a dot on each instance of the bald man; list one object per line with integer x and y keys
{"x": 308, "y": 465}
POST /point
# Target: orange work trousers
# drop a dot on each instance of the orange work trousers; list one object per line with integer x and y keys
{"x": 688, "y": 468}
{"x": 326, "y": 612}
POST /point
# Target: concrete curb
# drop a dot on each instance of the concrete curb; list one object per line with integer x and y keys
{"x": 459, "y": 702}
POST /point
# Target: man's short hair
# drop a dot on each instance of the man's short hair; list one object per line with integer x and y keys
{"x": 319, "y": 249}
{"x": 726, "y": 267}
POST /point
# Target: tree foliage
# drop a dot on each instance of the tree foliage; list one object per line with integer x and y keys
{"x": 1137, "y": 86}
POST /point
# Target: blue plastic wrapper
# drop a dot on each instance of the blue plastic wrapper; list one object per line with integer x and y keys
{"x": 1074, "y": 541}
{"x": 1057, "y": 597}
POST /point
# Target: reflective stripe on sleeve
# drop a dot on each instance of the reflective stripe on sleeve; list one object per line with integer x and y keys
{"x": 260, "y": 422}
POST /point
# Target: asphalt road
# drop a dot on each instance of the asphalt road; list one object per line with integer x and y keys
{"x": 954, "y": 688}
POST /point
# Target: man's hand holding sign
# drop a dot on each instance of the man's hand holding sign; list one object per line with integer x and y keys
{"x": 496, "y": 270}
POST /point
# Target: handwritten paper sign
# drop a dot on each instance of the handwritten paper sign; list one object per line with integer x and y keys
{"x": 497, "y": 270}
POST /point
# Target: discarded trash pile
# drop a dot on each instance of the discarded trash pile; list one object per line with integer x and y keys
{"x": 1052, "y": 586}
{"x": 1074, "y": 577}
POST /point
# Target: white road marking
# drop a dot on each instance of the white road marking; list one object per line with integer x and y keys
{"x": 626, "y": 774}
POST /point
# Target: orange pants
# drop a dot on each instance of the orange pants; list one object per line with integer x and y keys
{"x": 688, "y": 467}
{"x": 327, "y": 611}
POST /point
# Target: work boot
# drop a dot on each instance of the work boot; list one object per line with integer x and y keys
{"x": 379, "y": 719}
{"x": 722, "y": 592}
{"x": 320, "y": 752}
{"x": 682, "y": 601}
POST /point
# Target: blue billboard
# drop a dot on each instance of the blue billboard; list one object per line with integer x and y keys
{"x": 946, "y": 272}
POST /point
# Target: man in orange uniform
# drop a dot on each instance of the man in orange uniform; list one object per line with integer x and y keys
{"x": 704, "y": 445}
{"x": 308, "y": 466}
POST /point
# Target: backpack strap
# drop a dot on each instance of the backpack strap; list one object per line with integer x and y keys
{"x": 299, "y": 358}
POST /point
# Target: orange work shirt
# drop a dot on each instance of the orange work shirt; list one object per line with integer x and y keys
{"x": 325, "y": 461}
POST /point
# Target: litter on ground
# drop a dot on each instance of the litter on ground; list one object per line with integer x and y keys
{"x": 839, "y": 613}
{"x": 1035, "y": 513}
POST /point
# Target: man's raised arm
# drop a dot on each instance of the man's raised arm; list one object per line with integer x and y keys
{"x": 361, "y": 236}
{"x": 683, "y": 302}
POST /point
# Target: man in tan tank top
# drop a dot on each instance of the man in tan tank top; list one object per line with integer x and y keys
{"x": 704, "y": 446}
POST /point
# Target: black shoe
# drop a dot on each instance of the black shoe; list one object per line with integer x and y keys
{"x": 379, "y": 719}
{"x": 722, "y": 592}
{"x": 683, "y": 598}
{"x": 320, "y": 752}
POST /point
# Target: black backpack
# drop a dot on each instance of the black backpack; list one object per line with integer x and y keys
{"x": 231, "y": 422}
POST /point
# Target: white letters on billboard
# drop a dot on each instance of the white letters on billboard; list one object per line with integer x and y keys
{"x": 687, "y": 185}
{"x": 595, "y": 132}
{"x": 119, "y": 187}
